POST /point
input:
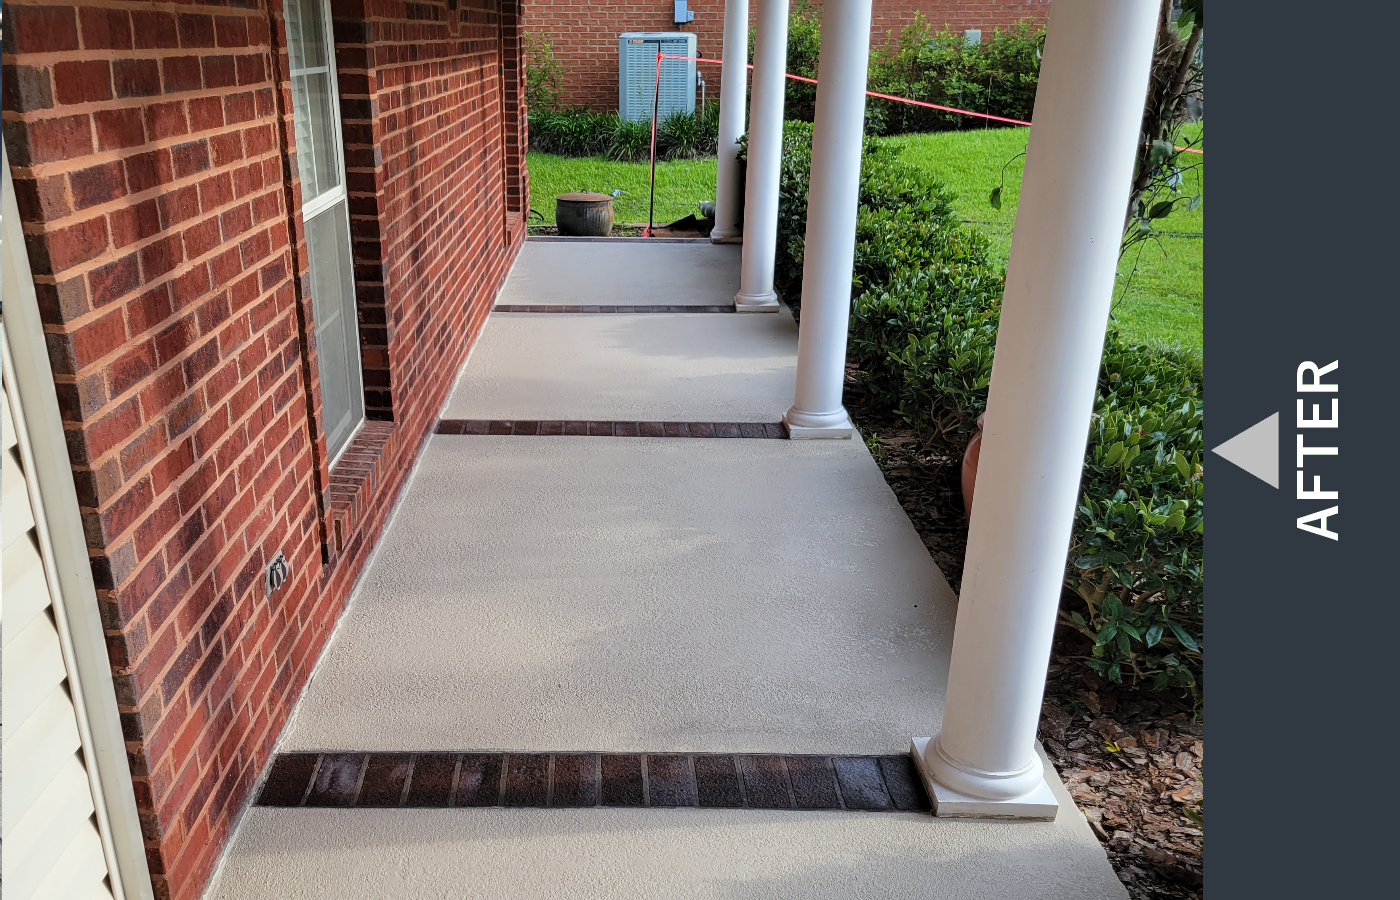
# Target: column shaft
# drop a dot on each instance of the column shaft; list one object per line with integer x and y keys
{"x": 756, "y": 292}
{"x": 1059, "y": 285}
{"x": 734, "y": 80}
{"x": 829, "y": 253}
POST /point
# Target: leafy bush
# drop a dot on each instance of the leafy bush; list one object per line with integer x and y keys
{"x": 1138, "y": 536}
{"x": 708, "y": 116}
{"x": 544, "y": 77}
{"x": 581, "y": 132}
{"x": 804, "y": 46}
{"x": 678, "y": 136}
{"x": 630, "y": 141}
{"x": 998, "y": 76}
{"x": 571, "y": 132}
{"x": 926, "y": 302}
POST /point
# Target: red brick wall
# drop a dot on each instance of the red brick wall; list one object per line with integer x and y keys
{"x": 584, "y": 36}
{"x": 151, "y": 148}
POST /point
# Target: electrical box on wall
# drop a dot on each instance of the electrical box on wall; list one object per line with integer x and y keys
{"x": 637, "y": 87}
{"x": 683, "y": 14}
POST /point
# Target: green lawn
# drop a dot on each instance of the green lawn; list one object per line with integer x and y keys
{"x": 1162, "y": 301}
{"x": 680, "y": 185}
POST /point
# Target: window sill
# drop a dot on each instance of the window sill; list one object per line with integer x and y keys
{"x": 355, "y": 479}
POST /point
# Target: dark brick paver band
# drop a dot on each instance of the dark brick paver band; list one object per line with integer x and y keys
{"x": 573, "y": 780}
{"x": 764, "y": 430}
{"x": 629, "y": 310}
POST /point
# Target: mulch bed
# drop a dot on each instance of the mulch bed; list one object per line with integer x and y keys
{"x": 1132, "y": 759}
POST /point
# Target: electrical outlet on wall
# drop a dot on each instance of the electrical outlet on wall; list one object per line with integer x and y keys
{"x": 278, "y": 571}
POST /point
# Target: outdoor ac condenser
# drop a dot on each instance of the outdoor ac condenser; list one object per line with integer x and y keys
{"x": 636, "y": 75}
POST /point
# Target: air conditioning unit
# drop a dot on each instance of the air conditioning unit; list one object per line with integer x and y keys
{"x": 636, "y": 75}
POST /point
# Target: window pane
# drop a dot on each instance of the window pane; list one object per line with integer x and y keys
{"x": 314, "y": 116}
{"x": 306, "y": 34}
{"x": 337, "y": 337}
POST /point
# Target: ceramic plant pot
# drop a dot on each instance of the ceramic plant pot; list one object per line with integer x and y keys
{"x": 584, "y": 214}
{"x": 969, "y": 467}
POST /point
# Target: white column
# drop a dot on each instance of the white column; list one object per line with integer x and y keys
{"x": 733, "y": 84}
{"x": 1064, "y": 252}
{"x": 756, "y": 292}
{"x": 833, "y": 195}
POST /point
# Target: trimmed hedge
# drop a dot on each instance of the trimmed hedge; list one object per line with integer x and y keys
{"x": 926, "y": 302}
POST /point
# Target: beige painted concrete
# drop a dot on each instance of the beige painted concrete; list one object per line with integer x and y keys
{"x": 690, "y": 367}
{"x": 682, "y": 853}
{"x": 538, "y": 593}
{"x": 634, "y": 272}
{"x": 639, "y": 594}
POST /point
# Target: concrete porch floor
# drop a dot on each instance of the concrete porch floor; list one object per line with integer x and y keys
{"x": 642, "y": 594}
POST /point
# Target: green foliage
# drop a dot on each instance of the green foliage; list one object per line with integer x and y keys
{"x": 804, "y": 46}
{"x": 998, "y": 76}
{"x": 680, "y": 136}
{"x": 630, "y": 141}
{"x": 582, "y": 132}
{"x": 572, "y": 132}
{"x": 544, "y": 76}
{"x": 926, "y": 303}
{"x": 1138, "y": 538}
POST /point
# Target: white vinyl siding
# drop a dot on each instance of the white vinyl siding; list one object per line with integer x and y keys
{"x": 52, "y": 847}
{"x": 70, "y": 824}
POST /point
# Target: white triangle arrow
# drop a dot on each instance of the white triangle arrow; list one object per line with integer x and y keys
{"x": 1255, "y": 450}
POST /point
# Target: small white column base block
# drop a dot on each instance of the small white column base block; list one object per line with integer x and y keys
{"x": 732, "y": 236}
{"x": 819, "y": 432}
{"x": 756, "y": 303}
{"x": 1039, "y": 804}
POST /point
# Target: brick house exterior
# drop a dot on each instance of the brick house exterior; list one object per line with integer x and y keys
{"x": 584, "y": 36}
{"x": 153, "y": 156}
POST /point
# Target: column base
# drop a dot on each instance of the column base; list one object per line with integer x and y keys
{"x": 727, "y": 236}
{"x": 751, "y": 303}
{"x": 803, "y": 426}
{"x": 1040, "y": 804}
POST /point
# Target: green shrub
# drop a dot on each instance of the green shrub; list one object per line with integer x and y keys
{"x": 630, "y": 141}
{"x": 1136, "y": 554}
{"x": 804, "y": 46}
{"x": 708, "y": 116}
{"x": 571, "y": 132}
{"x": 678, "y": 136}
{"x": 581, "y": 132}
{"x": 544, "y": 77}
{"x": 924, "y": 345}
{"x": 998, "y": 76}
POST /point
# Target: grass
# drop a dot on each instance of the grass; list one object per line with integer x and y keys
{"x": 1160, "y": 303}
{"x": 680, "y": 185}
{"x": 1163, "y": 298}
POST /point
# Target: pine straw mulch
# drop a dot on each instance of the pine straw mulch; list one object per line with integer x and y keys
{"x": 1132, "y": 759}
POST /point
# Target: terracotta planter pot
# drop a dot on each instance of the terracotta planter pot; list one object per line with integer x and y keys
{"x": 969, "y": 467}
{"x": 584, "y": 214}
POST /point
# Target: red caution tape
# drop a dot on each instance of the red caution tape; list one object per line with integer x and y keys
{"x": 951, "y": 109}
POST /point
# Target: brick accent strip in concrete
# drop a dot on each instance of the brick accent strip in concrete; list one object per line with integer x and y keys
{"x": 558, "y": 780}
{"x": 629, "y": 310}
{"x": 767, "y": 430}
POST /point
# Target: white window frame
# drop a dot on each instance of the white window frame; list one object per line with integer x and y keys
{"x": 324, "y": 203}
